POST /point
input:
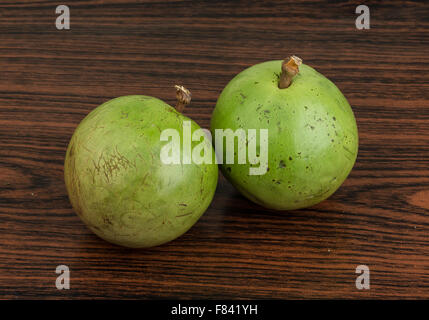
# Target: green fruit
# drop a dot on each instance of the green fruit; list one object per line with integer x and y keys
{"x": 118, "y": 184}
{"x": 312, "y": 133}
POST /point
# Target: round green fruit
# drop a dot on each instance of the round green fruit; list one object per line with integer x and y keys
{"x": 117, "y": 182}
{"x": 312, "y": 133}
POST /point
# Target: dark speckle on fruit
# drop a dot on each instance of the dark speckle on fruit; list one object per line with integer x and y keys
{"x": 282, "y": 164}
{"x": 107, "y": 220}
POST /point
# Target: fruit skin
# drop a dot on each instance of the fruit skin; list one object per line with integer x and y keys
{"x": 313, "y": 137}
{"x": 117, "y": 183}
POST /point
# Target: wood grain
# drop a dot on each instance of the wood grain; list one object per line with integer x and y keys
{"x": 50, "y": 79}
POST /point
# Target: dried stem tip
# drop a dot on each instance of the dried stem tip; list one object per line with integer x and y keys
{"x": 183, "y": 96}
{"x": 290, "y": 68}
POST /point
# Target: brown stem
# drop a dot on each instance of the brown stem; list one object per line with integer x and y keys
{"x": 290, "y": 68}
{"x": 183, "y": 96}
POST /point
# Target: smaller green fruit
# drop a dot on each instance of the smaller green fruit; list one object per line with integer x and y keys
{"x": 312, "y": 133}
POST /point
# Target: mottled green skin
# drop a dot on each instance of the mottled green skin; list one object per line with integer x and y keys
{"x": 313, "y": 137}
{"x": 117, "y": 183}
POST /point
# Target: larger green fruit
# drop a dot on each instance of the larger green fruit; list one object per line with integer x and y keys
{"x": 312, "y": 134}
{"x": 118, "y": 184}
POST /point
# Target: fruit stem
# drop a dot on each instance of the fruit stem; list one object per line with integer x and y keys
{"x": 290, "y": 68}
{"x": 183, "y": 97}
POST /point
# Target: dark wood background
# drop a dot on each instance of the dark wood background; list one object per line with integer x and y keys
{"x": 50, "y": 79}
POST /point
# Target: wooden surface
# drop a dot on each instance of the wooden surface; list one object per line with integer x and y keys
{"x": 50, "y": 79}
